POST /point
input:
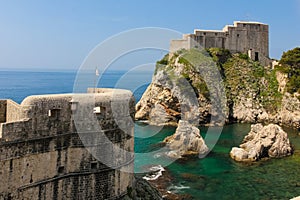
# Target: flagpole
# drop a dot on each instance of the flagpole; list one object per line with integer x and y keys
{"x": 95, "y": 79}
{"x": 95, "y": 84}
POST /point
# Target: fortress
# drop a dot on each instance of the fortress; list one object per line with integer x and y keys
{"x": 50, "y": 147}
{"x": 251, "y": 38}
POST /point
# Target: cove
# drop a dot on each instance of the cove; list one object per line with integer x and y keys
{"x": 217, "y": 176}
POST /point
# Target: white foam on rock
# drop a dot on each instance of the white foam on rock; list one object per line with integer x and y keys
{"x": 155, "y": 172}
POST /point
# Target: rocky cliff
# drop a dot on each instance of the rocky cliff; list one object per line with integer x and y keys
{"x": 206, "y": 87}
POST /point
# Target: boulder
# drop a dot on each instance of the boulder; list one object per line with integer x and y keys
{"x": 263, "y": 141}
{"x": 186, "y": 141}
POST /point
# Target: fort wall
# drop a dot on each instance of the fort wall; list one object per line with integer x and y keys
{"x": 46, "y": 154}
{"x": 251, "y": 38}
{"x": 3, "y": 109}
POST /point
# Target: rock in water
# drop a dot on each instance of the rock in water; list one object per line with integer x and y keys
{"x": 262, "y": 141}
{"x": 186, "y": 141}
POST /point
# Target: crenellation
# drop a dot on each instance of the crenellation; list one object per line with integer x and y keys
{"x": 46, "y": 154}
{"x": 14, "y": 111}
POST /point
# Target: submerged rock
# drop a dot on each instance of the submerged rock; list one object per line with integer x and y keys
{"x": 142, "y": 189}
{"x": 186, "y": 141}
{"x": 262, "y": 141}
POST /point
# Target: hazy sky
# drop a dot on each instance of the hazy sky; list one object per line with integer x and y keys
{"x": 59, "y": 34}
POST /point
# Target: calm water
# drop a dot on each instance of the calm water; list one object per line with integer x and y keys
{"x": 219, "y": 177}
{"x": 18, "y": 85}
{"x": 214, "y": 177}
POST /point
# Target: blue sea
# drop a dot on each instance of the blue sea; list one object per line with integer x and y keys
{"x": 17, "y": 85}
{"x": 213, "y": 177}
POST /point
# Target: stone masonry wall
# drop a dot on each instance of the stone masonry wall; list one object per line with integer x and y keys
{"x": 3, "y": 108}
{"x": 45, "y": 155}
{"x": 14, "y": 111}
{"x": 241, "y": 37}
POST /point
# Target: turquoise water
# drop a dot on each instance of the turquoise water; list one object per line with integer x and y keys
{"x": 214, "y": 177}
{"x": 217, "y": 176}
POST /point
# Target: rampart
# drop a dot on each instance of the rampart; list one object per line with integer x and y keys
{"x": 51, "y": 147}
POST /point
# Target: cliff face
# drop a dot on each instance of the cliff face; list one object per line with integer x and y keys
{"x": 289, "y": 112}
{"x": 182, "y": 88}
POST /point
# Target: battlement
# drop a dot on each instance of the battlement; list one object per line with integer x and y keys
{"x": 50, "y": 145}
{"x": 46, "y": 115}
{"x": 251, "y": 38}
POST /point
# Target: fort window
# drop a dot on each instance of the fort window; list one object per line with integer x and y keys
{"x": 54, "y": 114}
{"x": 11, "y": 165}
{"x": 256, "y": 56}
{"x": 97, "y": 110}
{"x": 216, "y": 34}
{"x": 238, "y": 35}
{"x": 61, "y": 169}
{"x": 100, "y": 112}
{"x": 204, "y": 33}
{"x": 94, "y": 165}
{"x": 31, "y": 179}
{"x": 244, "y": 25}
{"x": 74, "y": 105}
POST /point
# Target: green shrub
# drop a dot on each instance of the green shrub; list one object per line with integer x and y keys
{"x": 243, "y": 56}
{"x": 161, "y": 63}
{"x": 219, "y": 55}
{"x": 182, "y": 60}
{"x": 290, "y": 64}
{"x": 293, "y": 84}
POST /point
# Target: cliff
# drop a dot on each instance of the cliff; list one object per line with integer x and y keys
{"x": 186, "y": 84}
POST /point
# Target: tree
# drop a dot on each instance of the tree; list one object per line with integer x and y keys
{"x": 290, "y": 64}
{"x": 291, "y": 59}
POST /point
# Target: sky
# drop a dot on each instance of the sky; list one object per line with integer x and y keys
{"x": 59, "y": 34}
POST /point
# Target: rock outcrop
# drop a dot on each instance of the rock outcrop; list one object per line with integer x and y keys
{"x": 263, "y": 141}
{"x": 289, "y": 112}
{"x": 178, "y": 91}
{"x": 158, "y": 106}
{"x": 254, "y": 94}
{"x": 186, "y": 141}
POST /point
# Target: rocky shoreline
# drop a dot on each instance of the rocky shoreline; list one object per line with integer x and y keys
{"x": 163, "y": 183}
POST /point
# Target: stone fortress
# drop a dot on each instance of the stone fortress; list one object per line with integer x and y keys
{"x": 251, "y": 38}
{"x": 43, "y": 155}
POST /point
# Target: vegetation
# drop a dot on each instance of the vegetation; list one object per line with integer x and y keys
{"x": 242, "y": 77}
{"x": 220, "y": 56}
{"x": 161, "y": 64}
{"x": 164, "y": 60}
{"x": 244, "y": 56}
{"x": 290, "y": 64}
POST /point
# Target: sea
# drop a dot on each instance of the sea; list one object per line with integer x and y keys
{"x": 216, "y": 176}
